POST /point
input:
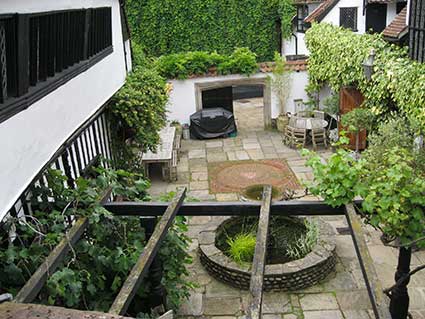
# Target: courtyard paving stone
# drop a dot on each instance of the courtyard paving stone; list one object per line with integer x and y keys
{"x": 322, "y": 314}
{"x": 227, "y": 197}
{"x": 222, "y": 306}
{"x": 198, "y": 153}
{"x": 196, "y": 186}
{"x": 320, "y": 301}
{"x": 242, "y": 155}
{"x": 216, "y": 157}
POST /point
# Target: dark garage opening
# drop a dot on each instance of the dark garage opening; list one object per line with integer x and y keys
{"x": 244, "y": 101}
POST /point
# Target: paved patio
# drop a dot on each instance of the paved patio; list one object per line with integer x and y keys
{"x": 341, "y": 295}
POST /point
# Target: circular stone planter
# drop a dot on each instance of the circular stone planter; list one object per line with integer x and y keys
{"x": 294, "y": 275}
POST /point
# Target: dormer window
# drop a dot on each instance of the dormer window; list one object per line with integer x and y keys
{"x": 302, "y": 13}
{"x": 348, "y": 18}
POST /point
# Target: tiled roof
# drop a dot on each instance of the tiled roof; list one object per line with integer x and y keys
{"x": 379, "y": 1}
{"x": 294, "y": 65}
{"x": 398, "y": 27}
{"x": 321, "y": 11}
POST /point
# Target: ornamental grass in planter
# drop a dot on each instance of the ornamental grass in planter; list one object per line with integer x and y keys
{"x": 301, "y": 252}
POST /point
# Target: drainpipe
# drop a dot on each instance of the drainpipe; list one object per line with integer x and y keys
{"x": 296, "y": 43}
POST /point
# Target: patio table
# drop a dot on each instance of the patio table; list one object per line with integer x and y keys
{"x": 309, "y": 122}
{"x": 164, "y": 153}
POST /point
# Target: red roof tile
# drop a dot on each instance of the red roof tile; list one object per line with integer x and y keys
{"x": 321, "y": 11}
{"x": 379, "y": 1}
{"x": 398, "y": 27}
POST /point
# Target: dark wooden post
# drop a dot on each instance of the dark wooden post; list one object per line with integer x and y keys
{"x": 157, "y": 296}
{"x": 399, "y": 304}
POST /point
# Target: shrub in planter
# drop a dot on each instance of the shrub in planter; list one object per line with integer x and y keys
{"x": 241, "y": 61}
{"x": 183, "y": 65}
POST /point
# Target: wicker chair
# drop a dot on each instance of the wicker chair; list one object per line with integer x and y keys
{"x": 318, "y": 134}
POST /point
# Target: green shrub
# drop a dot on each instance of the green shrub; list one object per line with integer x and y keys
{"x": 138, "y": 112}
{"x": 242, "y": 247}
{"x": 182, "y": 65}
{"x": 241, "y": 61}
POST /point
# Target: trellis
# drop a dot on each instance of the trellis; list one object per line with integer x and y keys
{"x": 168, "y": 212}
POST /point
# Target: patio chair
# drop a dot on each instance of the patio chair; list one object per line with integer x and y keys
{"x": 318, "y": 134}
{"x": 319, "y": 114}
{"x": 296, "y": 132}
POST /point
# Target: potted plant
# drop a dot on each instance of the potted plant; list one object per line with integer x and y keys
{"x": 280, "y": 83}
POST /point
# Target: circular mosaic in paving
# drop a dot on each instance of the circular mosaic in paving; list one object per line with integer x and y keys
{"x": 237, "y": 176}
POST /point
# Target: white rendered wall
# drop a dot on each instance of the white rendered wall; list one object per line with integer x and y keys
{"x": 30, "y": 138}
{"x": 391, "y": 12}
{"x": 182, "y": 102}
{"x": 288, "y": 45}
{"x": 333, "y": 15}
{"x": 290, "y": 48}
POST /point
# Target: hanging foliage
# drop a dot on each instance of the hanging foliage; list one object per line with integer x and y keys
{"x": 169, "y": 26}
{"x": 336, "y": 57}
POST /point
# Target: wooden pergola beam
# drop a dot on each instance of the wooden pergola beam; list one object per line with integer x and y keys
{"x": 379, "y": 301}
{"x": 33, "y": 286}
{"x": 140, "y": 269}
{"x": 283, "y": 208}
{"x": 259, "y": 261}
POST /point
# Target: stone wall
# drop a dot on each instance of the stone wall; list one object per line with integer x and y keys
{"x": 295, "y": 275}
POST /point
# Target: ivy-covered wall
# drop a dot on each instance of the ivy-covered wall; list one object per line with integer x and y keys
{"x": 336, "y": 57}
{"x": 171, "y": 26}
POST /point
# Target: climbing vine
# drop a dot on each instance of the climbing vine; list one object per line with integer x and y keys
{"x": 336, "y": 57}
{"x": 169, "y": 26}
{"x": 97, "y": 265}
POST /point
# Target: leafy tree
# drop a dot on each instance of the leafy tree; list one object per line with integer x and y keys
{"x": 280, "y": 81}
{"x": 389, "y": 177}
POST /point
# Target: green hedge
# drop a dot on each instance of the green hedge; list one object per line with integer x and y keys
{"x": 336, "y": 57}
{"x": 171, "y": 26}
{"x": 183, "y": 65}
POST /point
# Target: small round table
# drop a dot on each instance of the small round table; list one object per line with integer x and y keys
{"x": 309, "y": 123}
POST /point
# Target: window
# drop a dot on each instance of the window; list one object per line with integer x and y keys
{"x": 302, "y": 13}
{"x": 348, "y": 18}
{"x": 8, "y": 81}
{"x": 53, "y": 47}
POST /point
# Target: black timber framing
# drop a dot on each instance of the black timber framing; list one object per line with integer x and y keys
{"x": 140, "y": 269}
{"x": 259, "y": 261}
{"x": 67, "y": 57}
{"x": 287, "y": 208}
